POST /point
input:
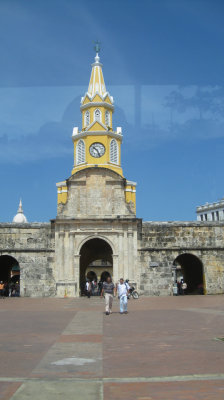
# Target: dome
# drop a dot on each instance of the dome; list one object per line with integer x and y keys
{"x": 20, "y": 217}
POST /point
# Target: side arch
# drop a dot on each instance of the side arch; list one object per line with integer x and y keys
{"x": 10, "y": 275}
{"x": 190, "y": 269}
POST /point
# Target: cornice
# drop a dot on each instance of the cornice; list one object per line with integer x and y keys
{"x": 97, "y": 104}
{"x": 97, "y": 133}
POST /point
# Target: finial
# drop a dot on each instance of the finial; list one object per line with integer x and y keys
{"x": 20, "y": 209}
{"x": 97, "y": 46}
{"x": 97, "y": 50}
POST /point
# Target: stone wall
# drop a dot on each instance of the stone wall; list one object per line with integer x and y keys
{"x": 144, "y": 252}
{"x": 32, "y": 245}
{"x": 95, "y": 193}
{"x": 162, "y": 242}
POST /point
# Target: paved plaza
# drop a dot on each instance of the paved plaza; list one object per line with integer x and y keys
{"x": 166, "y": 348}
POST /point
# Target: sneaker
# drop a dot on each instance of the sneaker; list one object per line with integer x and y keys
{"x": 121, "y": 313}
{"x": 125, "y": 312}
{"x": 107, "y": 313}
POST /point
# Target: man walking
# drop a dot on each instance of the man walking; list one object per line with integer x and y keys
{"x": 123, "y": 289}
{"x": 108, "y": 291}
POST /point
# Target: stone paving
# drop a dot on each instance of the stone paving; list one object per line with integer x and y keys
{"x": 166, "y": 348}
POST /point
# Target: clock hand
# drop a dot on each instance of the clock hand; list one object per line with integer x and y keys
{"x": 95, "y": 148}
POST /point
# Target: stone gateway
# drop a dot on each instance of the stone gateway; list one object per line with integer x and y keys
{"x": 96, "y": 232}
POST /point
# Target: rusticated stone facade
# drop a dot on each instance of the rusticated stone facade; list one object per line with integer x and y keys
{"x": 162, "y": 242}
{"x": 95, "y": 193}
{"x": 32, "y": 245}
{"x": 143, "y": 252}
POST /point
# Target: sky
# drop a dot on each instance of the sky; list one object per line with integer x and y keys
{"x": 163, "y": 63}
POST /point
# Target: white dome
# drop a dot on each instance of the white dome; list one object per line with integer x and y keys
{"x": 20, "y": 217}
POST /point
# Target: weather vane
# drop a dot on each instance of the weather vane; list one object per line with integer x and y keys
{"x": 97, "y": 46}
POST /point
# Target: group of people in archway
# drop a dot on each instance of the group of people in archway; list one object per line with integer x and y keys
{"x": 9, "y": 289}
{"x": 93, "y": 288}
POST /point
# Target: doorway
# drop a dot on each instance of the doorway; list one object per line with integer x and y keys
{"x": 10, "y": 275}
{"x": 189, "y": 269}
{"x": 96, "y": 261}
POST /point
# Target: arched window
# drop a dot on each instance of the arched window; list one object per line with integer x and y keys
{"x": 107, "y": 118}
{"x": 114, "y": 158}
{"x": 87, "y": 118}
{"x": 80, "y": 152}
{"x": 97, "y": 114}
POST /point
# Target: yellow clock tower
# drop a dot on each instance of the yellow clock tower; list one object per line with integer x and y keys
{"x": 97, "y": 144}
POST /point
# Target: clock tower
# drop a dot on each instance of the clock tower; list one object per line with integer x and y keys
{"x": 96, "y": 229}
{"x": 97, "y": 144}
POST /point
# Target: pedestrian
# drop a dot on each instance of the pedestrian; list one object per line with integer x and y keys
{"x": 108, "y": 291}
{"x": 6, "y": 289}
{"x": 123, "y": 290}
{"x": 2, "y": 289}
{"x": 17, "y": 289}
{"x": 100, "y": 287}
{"x": 179, "y": 289}
{"x": 88, "y": 288}
{"x": 184, "y": 287}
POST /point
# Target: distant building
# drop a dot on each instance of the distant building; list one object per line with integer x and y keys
{"x": 211, "y": 211}
{"x": 20, "y": 217}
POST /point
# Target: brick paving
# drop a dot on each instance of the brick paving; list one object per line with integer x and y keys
{"x": 165, "y": 348}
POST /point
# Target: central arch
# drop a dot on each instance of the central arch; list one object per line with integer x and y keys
{"x": 96, "y": 260}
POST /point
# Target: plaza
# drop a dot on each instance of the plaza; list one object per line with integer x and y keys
{"x": 166, "y": 348}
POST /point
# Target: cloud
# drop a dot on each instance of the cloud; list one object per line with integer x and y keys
{"x": 168, "y": 114}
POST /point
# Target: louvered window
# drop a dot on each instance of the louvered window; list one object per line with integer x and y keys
{"x": 97, "y": 115}
{"x": 114, "y": 151}
{"x": 107, "y": 118}
{"x": 80, "y": 152}
{"x": 87, "y": 118}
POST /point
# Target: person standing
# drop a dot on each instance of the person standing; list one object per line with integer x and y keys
{"x": 88, "y": 288}
{"x": 184, "y": 287}
{"x": 123, "y": 289}
{"x": 2, "y": 289}
{"x": 108, "y": 291}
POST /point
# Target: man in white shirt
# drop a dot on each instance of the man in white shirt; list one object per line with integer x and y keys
{"x": 123, "y": 289}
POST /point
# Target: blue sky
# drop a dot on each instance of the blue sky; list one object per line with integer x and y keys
{"x": 163, "y": 64}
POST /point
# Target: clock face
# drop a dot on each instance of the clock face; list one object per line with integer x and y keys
{"x": 97, "y": 150}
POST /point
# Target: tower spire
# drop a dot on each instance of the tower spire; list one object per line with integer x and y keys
{"x": 96, "y": 83}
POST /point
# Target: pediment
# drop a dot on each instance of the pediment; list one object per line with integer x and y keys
{"x": 96, "y": 126}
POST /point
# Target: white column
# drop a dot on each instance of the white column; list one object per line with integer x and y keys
{"x": 61, "y": 256}
{"x": 125, "y": 253}
{"x": 77, "y": 271}
{"x": 71, "y": 255}
{"x": 115, "y": 268}
{"x": 121, "y": 255}
{"x": 130, "y": 256}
